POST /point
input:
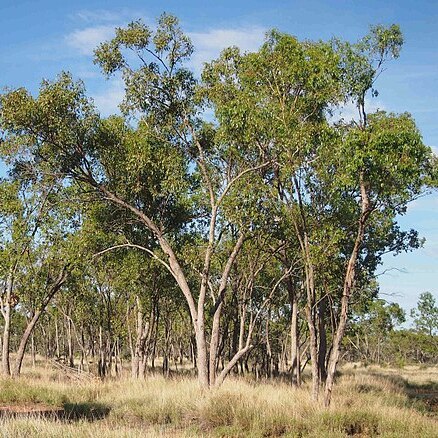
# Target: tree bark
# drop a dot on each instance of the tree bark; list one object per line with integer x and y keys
{"x": 142, "y": 329}
{"x": 350, "y": 276}
{"x": 6, "y": 366}
{"x": 295, "y": 348}
{"x": 57, "y": 338}
{"x": 322, "y": 347}
{"x": 23, "y": 342}
{"x": 60, "y": 280}
{"x": 6, "y": 312}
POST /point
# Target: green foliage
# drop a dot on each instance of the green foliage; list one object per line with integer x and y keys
{"x": 145, "y": 171}
{"x": 286, "y": 81}
{"x": 407, "y": 347}
{"x": 383, "y": 41}
{"x": 379, "y": 317}
{"x": 307, "y": 195}
{"x": 426, "y": 314}
{"x": 361, "y": 63}
{"x": 158, "y": 86}
{"x": 9, "y": 201}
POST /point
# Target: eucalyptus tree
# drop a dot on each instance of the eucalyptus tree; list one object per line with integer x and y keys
{"x": 35, "y": 256}
{"x": 340, "y": 186}
{"x": 47, "y": 275}
{"x": 425, "y": 315}
{"x": 256, "y": 283}
{"x": 170, "y": 171}
{"x": 275, "y": 98}
{"x": 11, "y": 211}
{"x": 372, "y": 327}
{"x": 196, "y": 196}
{"x": 383, "y": 163}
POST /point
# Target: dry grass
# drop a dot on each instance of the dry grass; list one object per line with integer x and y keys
{"x": 367, "y": 402}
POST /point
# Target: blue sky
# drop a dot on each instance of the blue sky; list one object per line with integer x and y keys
{"x": 40, "y": 38}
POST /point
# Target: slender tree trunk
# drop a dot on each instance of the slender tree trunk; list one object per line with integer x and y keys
{"x": 47, "y": 344}
{"x": 349, "y": 280}
{"x": 32, "y": 349}
{"x": 23, "y": 342}
{"x": 31, "y": 325}
{"x": 70, "y": 343}
{"x": 313, "y": 348}
{"x": 102, "y": 357}
{"x": 303, "y": 238}
{"x": 229, "y": 366}
{"x": 322, "y": 348}
{"x": 155, "y": 337}
{"x": 295, "y": 349}
{"x": 142, "y": 329}
{"x": 117, "y": 357}
{"x": 6, "y": 366}
{"x": 83, "y": 350}
{"x": 268, "y": 349}
{"x": 166, "y": 347}
{"x": 313, "y": 332}
{"x": 201, "y": 350}
{"x": 143, "y": 365}
{"x": 214, "y": 344}
{"x": 6, "y": 307}
{"x": 294, "y": 331}
{"x": 193, "y": 351}
{"x": 57, "y": 338}
{"x": 181, "y": 352}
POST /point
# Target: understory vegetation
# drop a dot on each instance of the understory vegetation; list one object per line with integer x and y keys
{"x": 369, "y": 402}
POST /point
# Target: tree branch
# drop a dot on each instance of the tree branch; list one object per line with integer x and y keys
{"x": 133, "y": 245}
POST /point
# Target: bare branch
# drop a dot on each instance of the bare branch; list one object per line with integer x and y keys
{"x": 142, "y": 248}
{"x": 237, "y": 177}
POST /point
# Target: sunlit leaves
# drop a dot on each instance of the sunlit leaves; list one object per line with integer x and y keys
{"x": 384, "y": 41}
{"x": 426, "y": 314}
{"x": 150, "y": 62}
{"x": 391, "y": 155}
{"x": 144, "y": 170}
{"x": 58, "y": 126}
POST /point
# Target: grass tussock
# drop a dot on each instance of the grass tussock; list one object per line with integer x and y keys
{"x": 367, "y": 403}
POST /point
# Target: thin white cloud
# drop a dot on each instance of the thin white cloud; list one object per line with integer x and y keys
{"x": 108, "y": 99}
{"x": 100, "y": 26}
{"x": 216, "y": 39}
{"x": 87, "y": 73}
{"x": 104, "y": 15}
{"x": 86, "y": 40}
{"x": 209, "y": 44}
{"x": 431, "y": 250}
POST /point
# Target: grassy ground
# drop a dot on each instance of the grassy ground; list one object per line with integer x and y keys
{"x": 367, "y": 402}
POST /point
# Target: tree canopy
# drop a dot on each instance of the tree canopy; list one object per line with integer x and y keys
{"x": 269, "y": 216}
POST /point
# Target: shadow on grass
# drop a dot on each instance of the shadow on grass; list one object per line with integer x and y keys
{"x": 424, "y": 395}
{"x": 85, "y": 411}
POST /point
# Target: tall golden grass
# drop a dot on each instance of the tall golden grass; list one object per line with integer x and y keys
{"x": 367, "y": 402}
